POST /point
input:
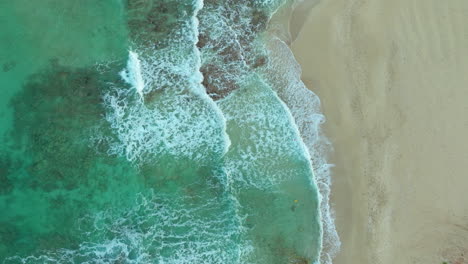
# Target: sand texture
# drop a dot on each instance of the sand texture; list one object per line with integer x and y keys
{"x": 393, "y": 80}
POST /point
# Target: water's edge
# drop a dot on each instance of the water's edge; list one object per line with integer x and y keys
{"x": 310, "y": 122}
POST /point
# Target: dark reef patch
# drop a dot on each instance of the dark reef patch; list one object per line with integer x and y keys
{"x": 6, "y": 185}
{"x": 50, "y": 174}
{"x": 151, "y": 22}
{"x": 235, "y": 49}
{"x": 8, "y": 66}
{"x": 215, "y": 82}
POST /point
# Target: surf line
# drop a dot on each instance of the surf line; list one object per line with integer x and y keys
{"x": 132, "y": 74}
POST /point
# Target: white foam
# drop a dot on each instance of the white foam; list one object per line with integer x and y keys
{"x": 201, "y": 90}
{"x": 263, "y": 122}
{"x": 283, "y": 73}
{"x": 176, "y": 117}
{"x": 265, "y": 131}
{"x": 181, "y": 126}
{"x": 190, "y": 126}
{"x": 132, "y": 75}
{"x": 158, "y": 229}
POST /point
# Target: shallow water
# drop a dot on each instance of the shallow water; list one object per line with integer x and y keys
{"x": 149, "y": 132}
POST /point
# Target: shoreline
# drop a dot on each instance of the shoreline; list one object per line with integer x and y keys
{"x": 305, "y": 107}
{"x": 390, "y": 76}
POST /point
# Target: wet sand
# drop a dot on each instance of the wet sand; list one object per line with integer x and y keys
{"x": 393, "y": 80}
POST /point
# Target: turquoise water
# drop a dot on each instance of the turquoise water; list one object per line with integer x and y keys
{"x": 153, "y": 132}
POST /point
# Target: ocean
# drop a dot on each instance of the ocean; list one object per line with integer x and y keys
{"x": 157, "y": 131}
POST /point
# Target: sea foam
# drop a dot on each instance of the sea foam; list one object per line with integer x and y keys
{"x": 284, "y": 74}
{"x": 132, "y": 75}
{"x": 160, "y": 228}
{"x": 236, "y": 46}
{"x": 174, "y": 116}
{"x": 260, "y": 125}
{"x": 254, "y": 130}
{"x": 260, "y": 206}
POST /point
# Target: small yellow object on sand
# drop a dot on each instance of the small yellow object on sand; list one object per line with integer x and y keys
{"x": 296, "y": 201}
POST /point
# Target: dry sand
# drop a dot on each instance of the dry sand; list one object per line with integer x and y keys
{"x": 393, "y": 79}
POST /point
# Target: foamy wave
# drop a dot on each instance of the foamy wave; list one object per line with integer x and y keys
{"x": 180, "y": 126}
{"x": 159, "y": 229}
{"x": 260, "y": 129}
{"x": 132, "y": 75}
{"x": 260, "y": 125}
{"x": 174, "y": 116}
{"x": 177, "y": 118}
{"x": 284, "y": 73}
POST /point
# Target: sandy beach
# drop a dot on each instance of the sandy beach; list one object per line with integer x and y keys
{"x": 393, "y": 80}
